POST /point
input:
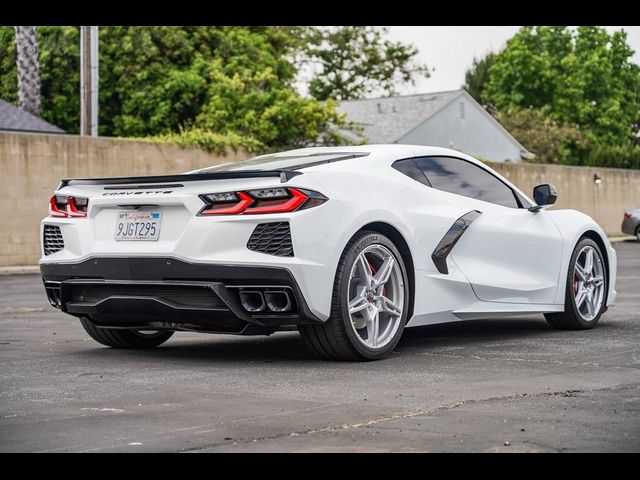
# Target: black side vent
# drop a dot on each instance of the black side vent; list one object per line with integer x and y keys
{"x": 52, "y": 239}
{"x": 272, "y": 238}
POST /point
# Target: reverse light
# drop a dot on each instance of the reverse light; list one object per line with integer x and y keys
{"x": 65, "y": 207}
{"x": 222, "y": 197}
{"x": 261, "y": 201}
{"x": 270, "y": 193}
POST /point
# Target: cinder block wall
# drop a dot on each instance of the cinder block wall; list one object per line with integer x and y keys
{"x": 31, "y": 167}
{"x": 606, "y": 201}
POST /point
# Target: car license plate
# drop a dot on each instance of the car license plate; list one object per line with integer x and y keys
{"x": 138, "y": 226}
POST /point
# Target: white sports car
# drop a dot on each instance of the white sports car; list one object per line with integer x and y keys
{"x": 349, "y": 245}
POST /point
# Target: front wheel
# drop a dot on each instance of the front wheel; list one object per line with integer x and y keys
{"x": 586, "y": 289}
{"x": 369, "y": 305}
{"x": 124, "y": 338}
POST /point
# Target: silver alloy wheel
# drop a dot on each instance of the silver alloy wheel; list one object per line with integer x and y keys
{"x": 376, "y": 296}
{"x": 588, "y": 283}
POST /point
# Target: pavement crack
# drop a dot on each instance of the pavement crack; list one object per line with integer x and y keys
{"x": 404, "y": 415}
{"x": 520, "y": 360}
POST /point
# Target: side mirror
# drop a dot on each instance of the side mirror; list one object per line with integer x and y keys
{"x": 543, "y": 195}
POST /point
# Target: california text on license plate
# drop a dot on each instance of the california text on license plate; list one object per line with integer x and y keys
{"x": 138, "y": 226}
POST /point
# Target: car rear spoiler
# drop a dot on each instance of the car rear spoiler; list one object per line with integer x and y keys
{"x": 161, "y": 180}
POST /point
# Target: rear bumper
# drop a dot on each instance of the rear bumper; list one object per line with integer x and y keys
{"x": 630, "y": 225}
{"x": 165, "y": 292}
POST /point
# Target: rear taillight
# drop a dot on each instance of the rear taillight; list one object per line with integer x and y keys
{"x": 261, "y": 201}
{"x": 62, "y": 206}
{"x": 627, "y": 215}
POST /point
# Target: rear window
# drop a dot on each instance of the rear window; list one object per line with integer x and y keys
{"x": 283, "y": 162}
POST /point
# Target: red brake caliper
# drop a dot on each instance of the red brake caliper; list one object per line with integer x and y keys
{"x": 373, "y": 271}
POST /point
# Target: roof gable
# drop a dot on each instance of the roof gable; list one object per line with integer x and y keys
{"x": 17, "y": 120}
{"x": 387, "y": 119}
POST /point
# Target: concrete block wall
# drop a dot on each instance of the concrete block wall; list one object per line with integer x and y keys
{"x": 32, "y": 165}
{"x": 606, "y": 201}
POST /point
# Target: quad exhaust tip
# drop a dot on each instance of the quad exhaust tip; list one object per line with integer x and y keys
{"x": 252, "y": 300}
{"x": 255, "y": 301}
{"x": 277, "y": 300}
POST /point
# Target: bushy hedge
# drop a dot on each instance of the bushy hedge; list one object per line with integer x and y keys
{"x": 220, "y": 143}
{"x": 626, "y": 156}
{"x": 564, "y": 143}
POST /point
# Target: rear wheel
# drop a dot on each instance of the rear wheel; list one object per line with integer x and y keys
{"x": 638, "y": 233}
{"x": 369, "y": 304}
{"x": 586, "y": 289}
{"x": 123, "y": 338}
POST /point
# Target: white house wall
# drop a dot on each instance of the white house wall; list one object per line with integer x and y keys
{"x": 475, "y": 134}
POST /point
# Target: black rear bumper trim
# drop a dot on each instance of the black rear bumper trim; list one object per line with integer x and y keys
{"x": 224, "y": 282}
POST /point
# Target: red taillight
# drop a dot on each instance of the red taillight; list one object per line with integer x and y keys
{"x": 229, "y": 207}
{"x": 280, "y": 205}
{"x": 68, "y": 206}
{"x": 53, "y": 209}
{"x": 627, "y": 215}
{"x": 264, "y": 201}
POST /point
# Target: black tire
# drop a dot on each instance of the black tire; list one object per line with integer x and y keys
{"x": 121, "y": 338}
{"x": 335, "y": 339}
{"x": 638, "y": 233}
{"x": 571, "y": 319}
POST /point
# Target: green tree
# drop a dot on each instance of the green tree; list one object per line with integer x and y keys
{"x": 59, "y": 59}
{"x": 353, "y": 62}
{"x": 550, "y": 140}
{"x": 583, "y": 77}
{"x": 476, "y": 78}
{"x": 209, "y": 85}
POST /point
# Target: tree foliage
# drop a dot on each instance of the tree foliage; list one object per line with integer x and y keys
{"x": 550, "y": 140}
{"x": 213, "y": 86}
{"x": 583, "y": 77}
{"x": 355, "y": 61}
{"x": 476, "y": 77}
{"x": 564, "y": 143}
{"x": 59, "y": 58}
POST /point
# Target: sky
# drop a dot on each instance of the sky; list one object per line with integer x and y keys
{"x": 450, "y": 50}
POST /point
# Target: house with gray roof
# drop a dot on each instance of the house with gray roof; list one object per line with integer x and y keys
{"x": 443, "y": 119}
{"x": 13, "y": 119}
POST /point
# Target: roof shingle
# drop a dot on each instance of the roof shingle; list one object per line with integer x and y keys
{"x": 387, "y": 119}
{"x": 16, "y": 120}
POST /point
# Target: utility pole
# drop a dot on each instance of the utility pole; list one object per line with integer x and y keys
{"x": 89, "y": 81}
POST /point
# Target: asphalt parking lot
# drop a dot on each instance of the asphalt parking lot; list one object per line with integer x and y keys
{"x": 491, "y": 386}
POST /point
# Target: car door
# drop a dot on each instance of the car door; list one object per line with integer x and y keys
{"x": 507, "y": 253}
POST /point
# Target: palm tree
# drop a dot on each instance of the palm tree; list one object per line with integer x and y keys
{"x": 28, "y": 69}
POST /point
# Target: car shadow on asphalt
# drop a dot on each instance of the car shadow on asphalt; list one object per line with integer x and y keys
{"x": 288, "y": 346}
